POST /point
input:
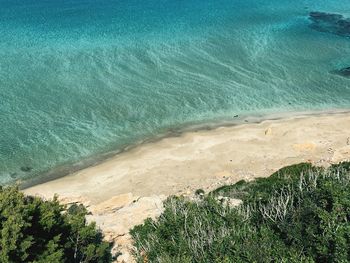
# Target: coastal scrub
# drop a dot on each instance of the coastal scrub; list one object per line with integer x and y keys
{"x": 299, "y": 214}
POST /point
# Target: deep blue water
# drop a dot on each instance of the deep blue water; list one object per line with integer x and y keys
{"x": 83, "y": 77}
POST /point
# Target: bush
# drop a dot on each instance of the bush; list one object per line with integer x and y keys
{"x": 34, "y": 230}
{"x": 299, "y": 214}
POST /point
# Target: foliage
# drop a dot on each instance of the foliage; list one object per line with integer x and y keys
{"x": 34, "y": 230}
{"x": 298, "y": 214}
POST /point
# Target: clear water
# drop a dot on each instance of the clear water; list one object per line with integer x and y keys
{"x": 83, "y": 77}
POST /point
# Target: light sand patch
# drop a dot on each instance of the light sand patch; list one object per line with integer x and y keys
{"x": 223, "y": 174}
{"x": 305, "y": 147}
{"x": 341, "y": 154}
{"x": 113, "y": 204}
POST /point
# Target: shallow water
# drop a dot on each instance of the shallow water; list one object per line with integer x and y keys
{"x": 82, "y": 77}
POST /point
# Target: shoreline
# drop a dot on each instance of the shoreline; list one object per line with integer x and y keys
{"x": 121, "y": 192}
{"x": 66, "y": 170}
{"x": 173, "y": 164}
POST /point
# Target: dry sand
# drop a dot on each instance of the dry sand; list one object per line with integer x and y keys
{"x": 124, "y": 190}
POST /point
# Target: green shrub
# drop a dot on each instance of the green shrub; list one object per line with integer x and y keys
{"x": 261, "y": 188}
{"x": 34, "y": 230}
{"x": 299, "y": 214}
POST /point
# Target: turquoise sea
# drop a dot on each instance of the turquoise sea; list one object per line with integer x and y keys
{"x": 80, "y": 78}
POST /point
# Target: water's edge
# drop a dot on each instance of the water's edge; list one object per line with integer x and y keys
{"x": 81, "y": 81}
{"x": 65, "y": 170}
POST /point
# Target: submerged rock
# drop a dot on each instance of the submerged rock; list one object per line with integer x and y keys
{"x": 345, "y": 72}
{"x": 13, "y": 175}
{"x": 26, "y": 169}
{"x": 330, "y": 23}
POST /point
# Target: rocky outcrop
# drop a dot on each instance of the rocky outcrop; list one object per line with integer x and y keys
{"x": 117, "y": 215}
{"x": 121, "y": 213}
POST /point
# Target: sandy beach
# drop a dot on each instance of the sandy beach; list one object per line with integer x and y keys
{"x": 198, "y": 159}
{"x": 124, "y": 190}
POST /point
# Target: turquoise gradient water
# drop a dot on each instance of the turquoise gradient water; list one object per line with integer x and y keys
{"x": 82, "y": 77}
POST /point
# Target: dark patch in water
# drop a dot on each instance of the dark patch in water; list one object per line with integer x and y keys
{"x": 344, "y": 72}
{"x": 330, "y": 23}
{"x": 26, "y": 169}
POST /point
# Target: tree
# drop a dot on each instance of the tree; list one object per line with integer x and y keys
{"x": 34, "y": 230}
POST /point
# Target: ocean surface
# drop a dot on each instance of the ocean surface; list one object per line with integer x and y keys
{"x": 79, "y": 78}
